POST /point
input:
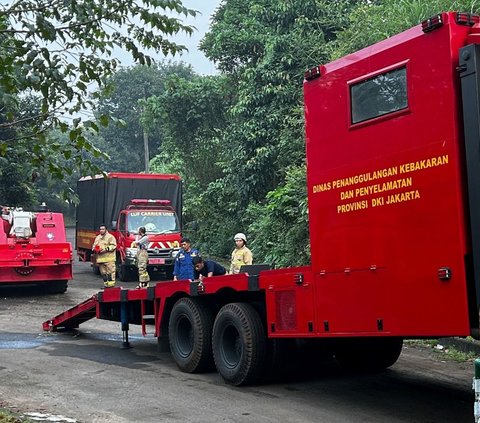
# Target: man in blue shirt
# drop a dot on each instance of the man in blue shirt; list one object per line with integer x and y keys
{"x": 183, "y": 268}
{"x": 207, "y": 268}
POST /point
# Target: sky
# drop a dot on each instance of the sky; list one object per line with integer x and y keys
{"x": 195, "y": 57}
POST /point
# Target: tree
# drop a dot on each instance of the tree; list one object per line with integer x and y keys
{"x": 281, "y": 224}
{"x": 58, "y": 49}
{"x": 124, "y": 143}
{"x": 191, "y": 115}
{"x": 15, "y": 175}
{"x": 373, "y": 21}
{"x": 265, "y": 53}
{"x": 264, "y": 47}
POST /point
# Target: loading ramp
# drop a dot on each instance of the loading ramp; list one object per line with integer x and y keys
{"x": 73, "y": 317}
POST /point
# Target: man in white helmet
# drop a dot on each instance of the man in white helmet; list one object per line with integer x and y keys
{"x": 241, "y": 255}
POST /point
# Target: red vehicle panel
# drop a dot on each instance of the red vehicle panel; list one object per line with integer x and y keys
{"x": 386, "y": 196}
{"x": 34, "y": 249}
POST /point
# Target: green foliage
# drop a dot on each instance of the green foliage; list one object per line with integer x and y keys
{"x": 280, "y": 227}
{"x": 264, "y": 47}
{"x": 58, "y": 50}
{"x": 125, "y": 101}
{"x": 373, "y": 21}
{"x": 237, "y": 139}
{"x": 9, "y": 417}
{"x": 15, "y": 185}
{"x": 190, "y": 114}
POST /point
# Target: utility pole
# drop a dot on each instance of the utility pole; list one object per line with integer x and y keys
{"x": 147, "y": 154}
{"x": 145, "y": 139}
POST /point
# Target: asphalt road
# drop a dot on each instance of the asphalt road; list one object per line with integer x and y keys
{"x": 87, "y": 376}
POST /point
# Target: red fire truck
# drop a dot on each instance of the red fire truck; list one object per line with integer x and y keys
{"x": 393, "y": 153}
{"x": 34, "y": 250}
{"x": 124, "y": 202}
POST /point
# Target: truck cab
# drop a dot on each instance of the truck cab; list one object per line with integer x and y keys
{"x": 163, "y": 230}
{"x": 124, "y": 202}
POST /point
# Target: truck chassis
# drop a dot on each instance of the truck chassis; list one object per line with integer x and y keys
{"x": 228, "y": 327}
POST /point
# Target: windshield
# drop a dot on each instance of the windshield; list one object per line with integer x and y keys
{"x": 155, "y": 222}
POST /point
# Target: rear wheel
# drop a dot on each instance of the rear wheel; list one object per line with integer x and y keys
{"x": 125, "y": 273}
{"x": 239, "y": 344}
{"x": 368, "y": 354}
{"x": 190, "y": 335}
{"x": 57, "y": 287}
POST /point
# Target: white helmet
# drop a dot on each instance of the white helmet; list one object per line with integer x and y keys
{"x": 240, "y": 236}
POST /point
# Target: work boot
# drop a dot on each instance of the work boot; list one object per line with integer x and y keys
{"x": 110, "y": 283}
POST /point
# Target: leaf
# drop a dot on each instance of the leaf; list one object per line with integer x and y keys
{"x": 104, "y": 120}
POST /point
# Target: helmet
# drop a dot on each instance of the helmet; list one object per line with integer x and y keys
{"x": 240, "y": 236}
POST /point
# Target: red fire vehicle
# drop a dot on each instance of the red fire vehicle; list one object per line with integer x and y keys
{"x": 34, "y": 250}
{"x": 392, "y": 137}
{"x": 124, "y": 202}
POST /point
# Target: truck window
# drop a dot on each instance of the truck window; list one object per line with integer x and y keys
{"x": 121, "y": 223}
{"x": 380, "y": 95}
{"x": 155, "y": 222}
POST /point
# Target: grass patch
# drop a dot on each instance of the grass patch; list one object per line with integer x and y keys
{"x": 9, "y": 417}
{"x": 422, "y": 342}
{"x": 459, "y": 356}
{"x": 446, "y": 352}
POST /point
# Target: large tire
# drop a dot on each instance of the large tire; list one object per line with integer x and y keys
{"x": 190, "y": 335}
{"x": 125, "y": 273}
{"x": 57, "y": 287}
{"x": 239, "y": 344}
{"x": 280, "y": 362}
{"x": 368, "y": 354}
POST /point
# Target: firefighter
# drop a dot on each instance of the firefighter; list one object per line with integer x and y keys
{"x": 104, "y": 247}
{"x": 183, "y": 268}
{"x": 241, "y": 255}
{"x": 141, "y": 243}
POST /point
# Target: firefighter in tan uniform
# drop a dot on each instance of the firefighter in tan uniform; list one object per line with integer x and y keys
{"x": 241, "y": 255}
{"x": 141, "y": 243}
{"x": 105, "y": 246}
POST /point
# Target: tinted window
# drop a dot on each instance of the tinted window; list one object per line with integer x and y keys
{"x": 380, "y": 95}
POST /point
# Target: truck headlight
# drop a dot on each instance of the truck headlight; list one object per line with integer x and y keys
{"x": 130, "y": 252}
{"x": 175, "y": 252}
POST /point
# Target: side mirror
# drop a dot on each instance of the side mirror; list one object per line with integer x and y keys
{"x": 114, "y": 225}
